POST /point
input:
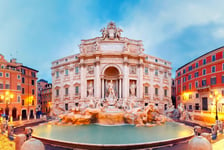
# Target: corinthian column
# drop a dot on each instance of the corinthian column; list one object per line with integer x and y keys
{"x": 83, "y": 81}
{"x": 97, "y": 81}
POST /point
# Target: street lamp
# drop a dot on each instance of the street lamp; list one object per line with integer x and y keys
{"x": 216, "y": 97}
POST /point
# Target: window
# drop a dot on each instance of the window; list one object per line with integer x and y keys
{"x": 146, "y": 90}
{"x": 203, "y": 82}
{"x": 156, "y": 72}
{"x": 196, "y": 65}
{"x": 184, "y": 88}
{"x": 7, "y": 75}
{"x": 23, "y": 80}
{"x": 189, "y": 76}
{"x": 1, "y": 85}
{"x": 146, "y": 70}
{"x": 76, "y": 90}
{"x": 197, "y": 95}
{"x": 197, "y": 107}
{"x": 156, "y": 60}
{"x": 66, "y": 106}
{"x": 223, "y": 66}
{"x": 156, "y": 91}
{"x": 23, "y": 102}
{"x": 165, "y": 92}
{"x": 222, "y": 78}
{"x": 213, "y": 68}
{"x": 213, "y": 81}
{"x": 18, "y": 77}
{"x": 178, "y": 74}
{"x": 190, "y": 86}
{"x": 196, "y": 84}
{"x": 33, "y": 74}
{"x": 184, "y": 71}
{"x": 23, "y": 90}
{"x": 23, "y": 71}
{"x": 18, "y": 87}
{"x": 165, "y": 74}
{"x": 204, "y": 71}
{"x": 196, "y": 74}
{"x": 76, "y": 70}
{"x": 7, "y": 86}
{"x": 184, "y": 79}
{"x": 213, "y": 57}
{"x": 33, "y": 102}
{"x": 178, "y": 81}
{"x": 204, "y": 61}
{"x": 190, "y": 107}
{"x": 57, "y": 74}
{"x": 1, "y": 74}
{"x": 57, "y": 92}
{"x": 66, "y": 72}
{"x": 33, "y": 91}
{"x": 189, "y": 68}
{"x": 66, "y": 91}
{"x": 32, "y": 82}
{"x": 18, "y": 99}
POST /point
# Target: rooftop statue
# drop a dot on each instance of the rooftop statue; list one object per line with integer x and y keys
{"x": 111, "y": 32}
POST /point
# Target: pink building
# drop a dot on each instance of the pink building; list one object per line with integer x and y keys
{"x": 110, "y": 69}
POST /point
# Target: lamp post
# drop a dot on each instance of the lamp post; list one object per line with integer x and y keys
{"x": 216, "y": 97}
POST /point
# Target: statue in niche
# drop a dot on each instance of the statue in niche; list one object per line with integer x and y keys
{"x": 110, "y": 89}
{"x": 132, "y": 89}
{"x": 90, "y": 89}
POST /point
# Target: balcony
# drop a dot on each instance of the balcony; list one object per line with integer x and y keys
{"x": 204, "y": 88}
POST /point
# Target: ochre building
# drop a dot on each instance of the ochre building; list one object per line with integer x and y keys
{"x": 17, "y": 90}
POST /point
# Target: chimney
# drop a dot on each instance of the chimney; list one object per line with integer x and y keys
{"x": 13, "y": 60}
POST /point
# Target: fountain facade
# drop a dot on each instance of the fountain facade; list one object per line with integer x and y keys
{"x": 111, "y": 72}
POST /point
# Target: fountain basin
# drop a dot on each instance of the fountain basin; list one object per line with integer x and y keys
{"x": 96, "y": 136}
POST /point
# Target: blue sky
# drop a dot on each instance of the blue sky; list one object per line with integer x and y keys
{"x": 39, "y": 32}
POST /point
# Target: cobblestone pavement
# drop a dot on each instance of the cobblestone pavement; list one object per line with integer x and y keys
{"x": 5, "y": 143}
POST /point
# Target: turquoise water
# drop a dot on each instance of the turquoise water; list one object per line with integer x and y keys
{"x": 124, "y": 134}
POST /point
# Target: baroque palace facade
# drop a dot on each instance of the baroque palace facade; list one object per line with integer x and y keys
{"x": 110, "y": 69}
{"x": 198, "y": 81}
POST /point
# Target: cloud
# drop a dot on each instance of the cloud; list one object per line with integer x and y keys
{"x": 162, "y": 25}
{"x": 219, "y": 33}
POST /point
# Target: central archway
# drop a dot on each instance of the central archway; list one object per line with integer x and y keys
{"x": 111, "y": 82}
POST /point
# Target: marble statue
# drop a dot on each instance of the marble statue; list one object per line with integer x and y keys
{"x": 132, "y": 89}
{"x": 90, "y": 89}
{"x": 110, "y": 89}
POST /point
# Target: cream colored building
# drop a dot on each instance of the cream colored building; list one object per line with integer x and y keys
{"x": 110, "y": 69}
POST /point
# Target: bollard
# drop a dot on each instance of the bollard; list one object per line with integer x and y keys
{"x": 28, "y": 132}
{"x": 214, "y": 131}
{"x": 199, "y": 143}
{"x": 20, "y": 139}
{"x": 197, "y": 130}
{"x": 33, "y": 144}
{"x": 207, "y": 136}
{"x": 220, "y": 126}
{"x": 10, "y": 132}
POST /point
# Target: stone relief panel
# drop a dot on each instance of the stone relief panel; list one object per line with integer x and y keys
{"x": 90, "y": 70}
{"x": 132, "y": 69}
